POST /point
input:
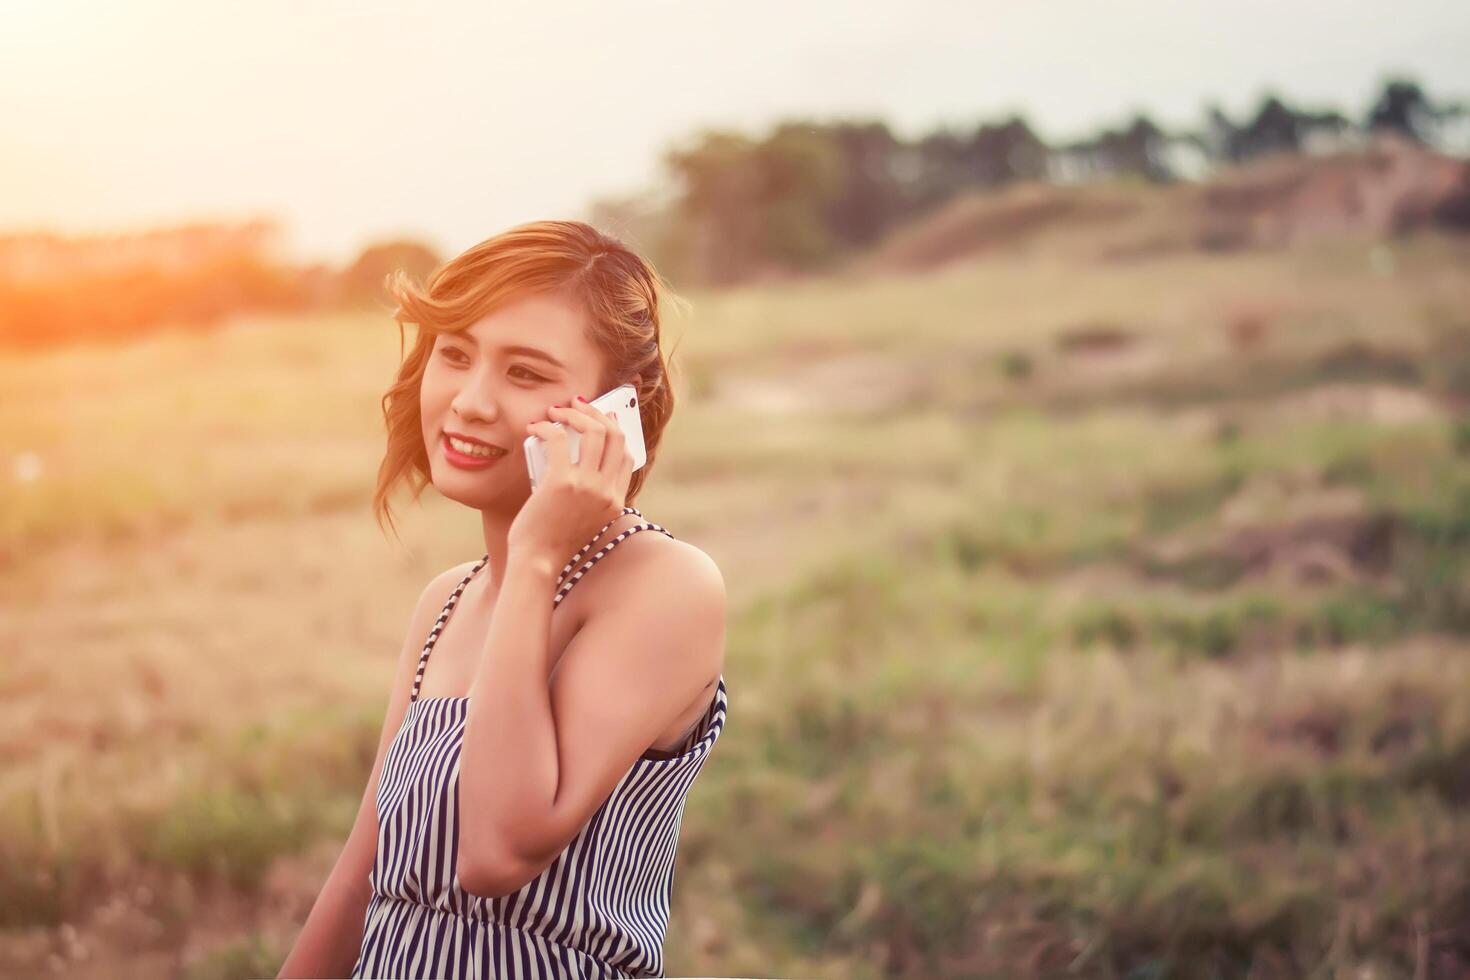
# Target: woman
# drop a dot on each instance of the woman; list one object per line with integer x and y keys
{"x": 523, "y": 811}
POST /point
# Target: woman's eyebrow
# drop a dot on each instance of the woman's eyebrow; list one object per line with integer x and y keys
{"x": 535, "y": 352}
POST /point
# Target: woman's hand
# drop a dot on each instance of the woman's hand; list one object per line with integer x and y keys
{"x": 573, "y": 500}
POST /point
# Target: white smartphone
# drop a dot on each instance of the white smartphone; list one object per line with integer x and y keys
{"x": 621, "y": 405}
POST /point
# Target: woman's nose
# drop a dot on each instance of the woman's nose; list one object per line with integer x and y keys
{"x": 476, "y": 399}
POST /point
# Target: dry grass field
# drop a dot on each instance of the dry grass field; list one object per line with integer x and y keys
{"x": 1095, "y": 617}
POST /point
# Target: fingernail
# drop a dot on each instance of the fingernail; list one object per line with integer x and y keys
{"x": 580, "y": 398}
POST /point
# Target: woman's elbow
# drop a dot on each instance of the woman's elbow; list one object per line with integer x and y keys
{"x": 487, "y": 880}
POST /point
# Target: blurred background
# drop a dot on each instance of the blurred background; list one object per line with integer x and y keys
{"x": 1074, "y": 396}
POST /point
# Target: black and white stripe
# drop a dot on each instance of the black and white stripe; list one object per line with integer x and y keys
{"x": 599, "y": 910}
{"x": 565, "y": 582}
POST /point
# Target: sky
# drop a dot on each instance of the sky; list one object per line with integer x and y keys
{"x": 355, "y": 121}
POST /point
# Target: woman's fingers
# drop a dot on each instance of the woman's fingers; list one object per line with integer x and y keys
{"x": 591, "y": 424}
{"x": 625, "y": 476}
{"x": 558, "y": 453}
{"x": 614, "y": 432}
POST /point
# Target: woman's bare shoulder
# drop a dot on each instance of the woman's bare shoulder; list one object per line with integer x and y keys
{"x": 437, "y": 591}
{"x": 683, "y": 566}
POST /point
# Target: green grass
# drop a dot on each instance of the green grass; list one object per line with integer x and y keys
{"x": 252, "y": 957}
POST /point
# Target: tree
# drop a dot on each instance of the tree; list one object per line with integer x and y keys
{"x": 1403, "y": 108}
{"x": 363, "y": 281}
{"x": 1275, "y": 129}
{"x": 1001, "y": 153}
{"x": 1139, "y": 149}
{"x": 873, "y": 196}
{"x": 802, "y": 176}
{"x": 719, "y": 199}
{"x": 1221, "y": 137}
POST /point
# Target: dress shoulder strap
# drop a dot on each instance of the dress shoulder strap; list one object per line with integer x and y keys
{"x": 565, "y": 581}
{"x": 569, "y": 578}
{"x": 418, "y": 677}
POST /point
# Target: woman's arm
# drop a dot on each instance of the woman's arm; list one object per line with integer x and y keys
{"x": 541, "y": 754}
{"x": 332, "y": 936}
{"x": 329, "y": 942}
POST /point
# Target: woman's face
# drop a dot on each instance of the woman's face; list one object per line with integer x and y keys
{"x": 488, "y": 382}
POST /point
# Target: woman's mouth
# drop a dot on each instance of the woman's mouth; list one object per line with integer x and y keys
{"x": 466, "y": 458}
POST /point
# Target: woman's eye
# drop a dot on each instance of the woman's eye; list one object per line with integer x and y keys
{"x": 451, "y": 353}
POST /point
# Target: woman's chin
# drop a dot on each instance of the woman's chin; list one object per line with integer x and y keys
{"x": 463, "y": 488}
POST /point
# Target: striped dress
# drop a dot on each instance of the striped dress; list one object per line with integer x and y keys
{"x": 599, "y": 910}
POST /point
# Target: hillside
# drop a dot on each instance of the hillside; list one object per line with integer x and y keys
{"x": 1393, "y": 188}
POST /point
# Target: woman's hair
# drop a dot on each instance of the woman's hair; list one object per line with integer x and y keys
{"x": 618, "y": 289}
